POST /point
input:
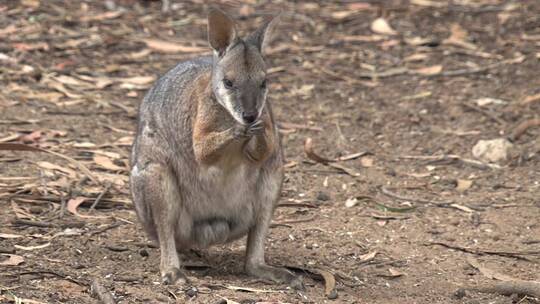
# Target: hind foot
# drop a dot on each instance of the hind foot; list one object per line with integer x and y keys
{"x": 174, "y": 276}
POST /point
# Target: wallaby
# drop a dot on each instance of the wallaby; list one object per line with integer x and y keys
{"x": 207, "y": 163}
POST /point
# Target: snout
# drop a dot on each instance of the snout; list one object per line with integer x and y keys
{"x": 249, "y": 117}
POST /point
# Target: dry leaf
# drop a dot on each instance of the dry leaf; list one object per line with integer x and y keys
{"x": 171, "y": 47}
{"x": 368, "y": 257}
{"x": 30, "y": 248}
{"x": 490, "y": 274}
{"x": 342, "y": 15}
{"x": 84, "y": 145}
{"x": 428, "y": 3}
{"x": 304, "y": 91}
{"x": 351, "y": 202}
{"x": 53, "y": 97}
{"x": 351, "y": 156}
{"x": 140, "y": 54}
{"x": 31, "y": 46}
{"x": 62, "y": 89}
{"x": 140, "y": 80}
{"x": 395, "y": 273}
{"x": 463, "y": 185}
{"x": 462, "y": 208}
{"x": 74, "y": 203}
{"x": 124, "y": 141}
{"x": 10, "y": 236}
{"x": 458, "y": 37}
{"x": 103, "y": 16}
{"x": 311, "y": 154}
{"x": 72, "y": 81}
{"x": 428, "y": 71}
{"x": 51, "y": 166}
{"x": 308, "y": 149}
{"x": 107, "y": 163}
{"x": 246, "y": 10}
{"x": 366, "y": 161}
{"x": 249, "y": 289}
{"x": 381, "y": 26}
{"x": 362, "y": 38}
{"x": 419, "y": 175}
{"x": 12, "y": 260}
{"x": 359, "y": 6}
{"x": 344, "y": 169}
{"x": 329, "y": 283}
{"x": 119, "y": 180}
{"x": 416, "y": 41}
{"x": 484, "y": 101}
{"x": 531, "y": 98}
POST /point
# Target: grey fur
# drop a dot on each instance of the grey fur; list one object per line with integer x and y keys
{"x": 196, "y": 189}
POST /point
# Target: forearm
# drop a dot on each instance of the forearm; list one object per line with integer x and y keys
{"x": 210, "y": 146}
{"x": 259, "y": 147}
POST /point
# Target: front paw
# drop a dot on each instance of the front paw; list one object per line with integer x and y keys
{"x": 243, "y": 131}
{"x": 276, "y": 274}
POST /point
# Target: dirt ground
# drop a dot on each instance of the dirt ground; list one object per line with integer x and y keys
{"x": 409, "y": 215}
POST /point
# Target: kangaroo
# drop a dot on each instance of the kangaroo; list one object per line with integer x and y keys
{"x": 207, "y": 163}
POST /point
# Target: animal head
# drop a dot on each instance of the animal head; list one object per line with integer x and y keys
{"x": 239, "y": 71}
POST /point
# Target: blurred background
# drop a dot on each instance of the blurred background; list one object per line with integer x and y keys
{"x": 411, "y": 131}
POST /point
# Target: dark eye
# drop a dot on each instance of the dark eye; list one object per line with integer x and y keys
{"x": 263, "y": 84}
{"x": 227, "y": 83}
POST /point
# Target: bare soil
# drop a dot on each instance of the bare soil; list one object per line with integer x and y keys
{"x": 66, "y": 78}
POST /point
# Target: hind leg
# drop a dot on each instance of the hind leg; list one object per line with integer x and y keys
{"x": 255, "y": 264}
{"x": 158, "y": 202}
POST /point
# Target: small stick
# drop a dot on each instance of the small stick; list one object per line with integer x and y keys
{"x": 298, "y": 205}
{"x": 23, "y": 147}
{"x": 309, "y": 219}
{"x": 445, "y": 157}
{"x": 100, "y": 196}
{"x": 57, "y": 274}
{"x": 101, "y": 293}
{"x": 486, "y": 113}
{"x": 108, "y": 227}
{"x": 522, "y": 128}
{"x": 463, "y": 72}
{"x": 513, "y": 254}
{"x": 33, "y": 223}
{"x": 413, "y": 199}
{"x": 530, "y": 288}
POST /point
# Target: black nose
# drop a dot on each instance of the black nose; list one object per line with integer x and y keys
{"x": 249, "y": 117}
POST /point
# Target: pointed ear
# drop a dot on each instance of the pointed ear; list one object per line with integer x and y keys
{"x": 263, "y": 35}
{"x": 221, "y": 30}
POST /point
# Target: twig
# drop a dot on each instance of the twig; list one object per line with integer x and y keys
{"x": 486, "y": 113}
{"x": 108, "y": 227}
{"x": 513, "y": 254}
{"x": 23, "y": 147}
{"x": 309, "y": 219}
{"x": 291, "y": 125}
{"x": 530, "y": 288}
{"x": 413, "y": 199}
{"x": 463, "y": 72}
{"x": 348, "y": 79}
{"x": 33, "y": 223}
{"x": 329, "y": 283}
{"x": 101, "y": 293}
{"x": 57, "y": 274}
{"x": 100, "y": 196}
{"x": 522, "y": 128}
{"x": 298, "y": 205}
{"x": 452, "y": 157}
